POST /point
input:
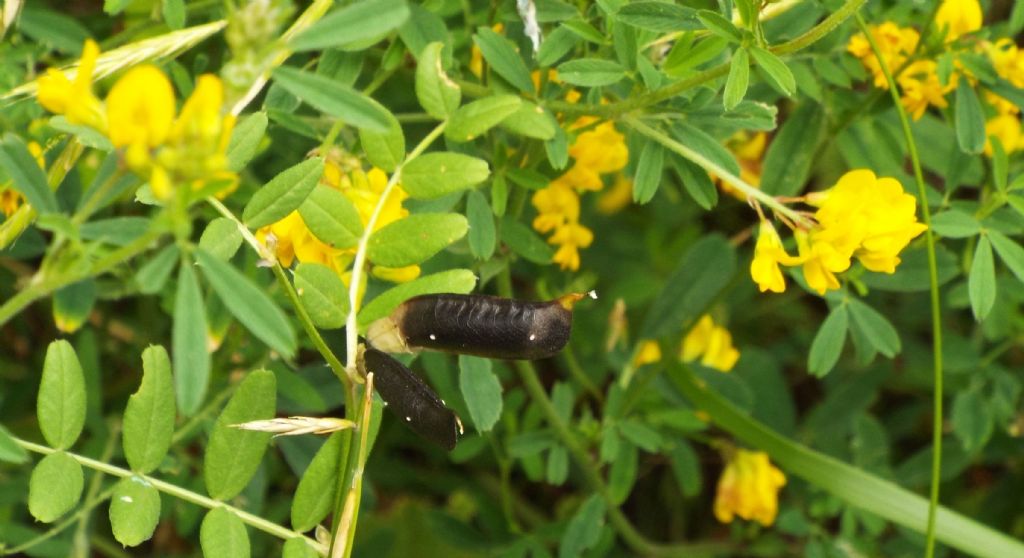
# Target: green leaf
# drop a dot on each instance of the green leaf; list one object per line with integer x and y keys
{"x": 556, "y": 44}
{"x": 188, "y": 343}
{"x": 73, "y": 304}
{"x": 333, "y": 98}
{"x": 434, "y": 175}
{"x": 590, "y": 72}
{"x": 717, "y": 24}
{"x": 315, "y": 494}
{"x": 332, "y": 217}
{"x": 85, "y": 135}
{"x": 686, "y": 468}
{"x": 970, "y": 120}
{"x": 481, "y": 390}
{"x": 1009, "y": 251}
{"x": 703, "y": 271}
{"x": 972, "y": 419}
{"x": 828, "y": 342}
{"x": 876, "y": 328}
{"x": 1000, "y": 165}
{"x": 10, "y": 451}
{"x": 174, "y": 16}
{"x": 460, "y": 281}
{"x": 354, "y": 26}
{"x": 415, "y": 239}
{"x": 660, "y": 17}
{"x": 558, "y": 466}
{"x": 775, "y": 69}
{"x": 245, "y": 139}
{"x": 61, "y": 402}
{"x": 223, "y": 535}
{"x": 221, "y": 238}
{"x": 482, "y": 234}
{"x": 981, "y": 283}
{"x": 684, "y": 58}
{"x": 60, "y": 31}
{"x": 585, "y": 31}
{"x": 55, "y": 487}
{"x": 134, "y": 511}
{"x": 149, "y": 416}
{"x": 247, "y": 302}
{"x": 649, "y": 168}
{"x": 297, "y": 547}
{"x": 473, "y": 119}
{"x": 955, "y": 224}
{"x": 422, "y": 28}
{"x": 585, "y": 528}
{"x": 739, "y": 78}
{"x": 385, "y": 150}
{"x": 523, "y": 241}
{"x": 787, "y": 163}
{"x": 531, "y": 121}
{"x": 622, "y": 475}
{"x": 26, "y": 176}
{"x": 436, "y": 92}
{"x": 322, "y": 294}
{"x": 233, "y": 455}
{"x": 696, "y": 182}
{"x": 283, "y": 194}
{"x": 502, "y": 56}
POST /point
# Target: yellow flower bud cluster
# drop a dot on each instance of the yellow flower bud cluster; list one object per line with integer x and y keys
{"x": 139, "y": 116}
{"x": 291, "y": 239}
{"x": 748, "y": 488}
{"x": 864, "y": 217}
{"x": 707, "y": 341}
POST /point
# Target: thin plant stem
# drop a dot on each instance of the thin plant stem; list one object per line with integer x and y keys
{"x": 181, "y": 493}
{"x": 344, "y": 535}
{"x": 57, "y": 529}
{"x": 95, "y": 484}
{"x": 936, "y": 306}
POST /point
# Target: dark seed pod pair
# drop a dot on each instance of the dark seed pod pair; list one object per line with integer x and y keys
{"x": 480, "y": 325}
{"x": 411, "y": 399}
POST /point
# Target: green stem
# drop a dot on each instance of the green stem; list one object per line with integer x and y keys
{"x": 613, "y": 110}
{"x": 180, "y": 493}
{"x": 81, "y": 538}
{"x": 577, "y": 372}
{"x": 193, "y": 423}
{"x": 633, "y": 538}
{"x": 848, "y": 483}
{"x": 713, "y": 168}
{"x": 936, "y": 306}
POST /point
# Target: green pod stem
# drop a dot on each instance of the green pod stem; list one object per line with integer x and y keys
{"x": 412, "y": 400}
{"x": 481, "y": 325}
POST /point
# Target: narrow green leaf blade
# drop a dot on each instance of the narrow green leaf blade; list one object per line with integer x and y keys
{"x": 584, "y": 529}
{"x": 501, "y": 55}
{"x": 358, "y": 24}
{"x": 648, "y": 172}
{"x": 787, "y": 163}
{"x": 153, "y": 275}
{"x": 283, "y": 194}
{"x": 473, "y": 119}
{"x": 249, "y": 304}
{"x": 970, "y": 120}
{"x": 26, "y": 176}
{"x": 188, "y": 343}
{"x": 972, "y": 419}
{"x": 61, "y": 402}
{"x": 524, "y": 242}
{"x": 481, "y": 390}
{"x": 55, "y": 487}
{"x": 460, "y": 281}
{"x": 385, "y": 150}
{"x": 223, "y": 535}
{"x": 591, "y": 72}
{"x": 660, "y": 17}
{"x": 981, "y": 283}
{"x": 437, "y": 174}
{"x": 233, "y": 455}
{"x": 482, "y": 233}
{"x": 531, "y": 121}
{"x": 245, "y": 140}
{"x": 134, "y": 511}
{"x": 322, "y": 294}
{"x": 221, "y": 238}
{"x": 415, "y": 239}
{"x": 717, "y": 24}
{"x": 332, "y": 217}
{"x": 318, "y": 486}
{"x": 776, "y": 70}
{"x": 333, "y": 98}
{"x": 878, "y": 330}
{"x": 828, "y": 342}
{"x": 436, "y": 92}
{"x": 1009, "y": 251}
{"x": 149, "y": 416}
{"x": 739, "y": 78}
{"x": 955, "y": 224}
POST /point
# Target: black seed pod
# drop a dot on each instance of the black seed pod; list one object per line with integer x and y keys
{"x": 478, "y": 325}
{"x": 412, "y": 400}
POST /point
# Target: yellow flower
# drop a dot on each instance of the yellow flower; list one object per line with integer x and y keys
{"x": 1008, "y": 62}
{"x": 396, "y": 274}
{"x": 768, "y": 254}
{"x": 10, "y": 200}
{"x": 921, "y": 87}
{"x": 958, "y": 18}
{"x": 748, "y": 488}
{"x": 712, "y": 343}
{"x": 556, "y": 205}
{"x": 570, "y": 238}
{"x": 1006, "y": 128}
{"x": 291, "y": 239}
{"x": 601, "y": 150}
{"x": 894, "y": 42}
{"x": 821, "y": 261}
{"x": 140, "y": 108}
{"x": 74, "y": 99}
{"x": 649, "y": 352}
{"x": 617, "y": 197}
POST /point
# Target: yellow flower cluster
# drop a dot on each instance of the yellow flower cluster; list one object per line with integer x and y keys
{"x": 291, "y": 239}
{"x": 862, "y": 216}
{"x": 958, "y": 18}
{"x": 139, "y": 116}
{"x": 1008, "y": 61}
{"x": 748, "y": 488}
{"x": 709, "y": 342}
{"x": 598, "y": 151}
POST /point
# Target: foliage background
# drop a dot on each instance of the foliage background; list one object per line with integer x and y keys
{"x": 519, "y": 489}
